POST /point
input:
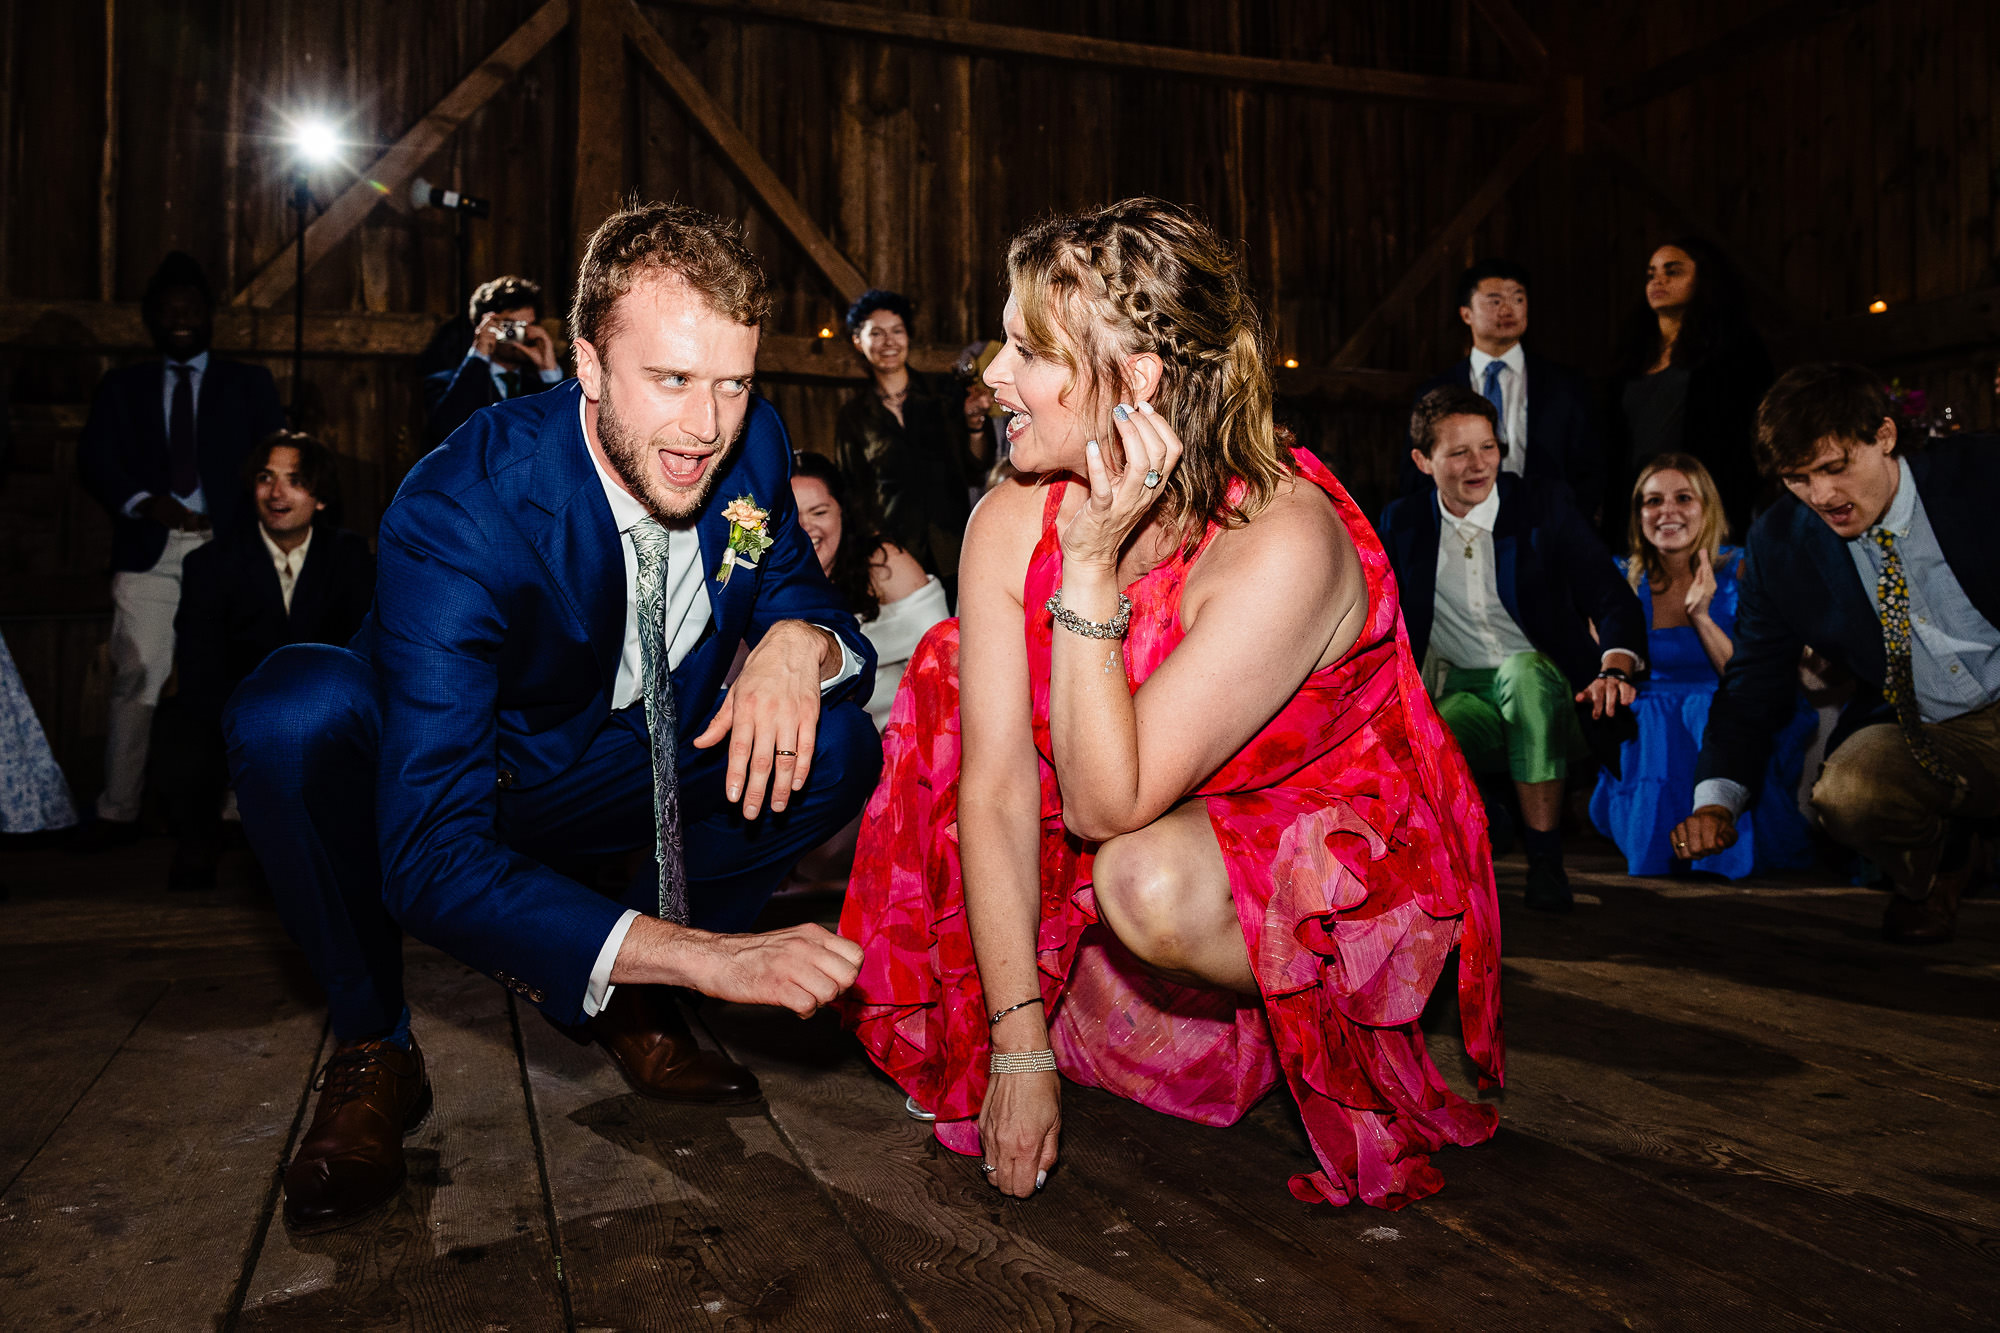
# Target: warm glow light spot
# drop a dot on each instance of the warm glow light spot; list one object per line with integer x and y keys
{"x": 1877, "y": 307}
{"x": 1291, "y": 363}
{"x": 826, "y": 333}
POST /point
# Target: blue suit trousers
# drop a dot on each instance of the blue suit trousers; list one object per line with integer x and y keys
{"x": 304, "y": 732}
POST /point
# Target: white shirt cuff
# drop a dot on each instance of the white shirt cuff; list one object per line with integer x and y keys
{"x": 132, "y": 505}
{"x": 1731, "y": 796}
{"x": 1606, "y": 659}
{"x": 850, "y": 664}
{"x": 600, "y": 990}
{"x": 552, "y": 375}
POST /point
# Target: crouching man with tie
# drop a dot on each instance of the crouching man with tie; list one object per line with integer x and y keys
{"x": 562, "y": 591}
{"x": 1887, "y": 565}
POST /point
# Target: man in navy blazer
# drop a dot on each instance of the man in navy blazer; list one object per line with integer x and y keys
{"x": 510, "y": 357}
{"x": 163, "y": 452}
{"x": 1543, "y": 406}
{"x": 491, "y": 717}
{"x": 1505, "y": 579}
{"x": 1905, "y": 783}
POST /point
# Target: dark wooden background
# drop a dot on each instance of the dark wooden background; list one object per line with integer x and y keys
{"x": 1845, "y": 151}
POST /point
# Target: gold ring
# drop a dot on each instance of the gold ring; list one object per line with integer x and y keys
{"x": 788, "y": 754}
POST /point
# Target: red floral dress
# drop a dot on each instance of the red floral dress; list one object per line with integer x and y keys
{"x": 1358, "y": 860}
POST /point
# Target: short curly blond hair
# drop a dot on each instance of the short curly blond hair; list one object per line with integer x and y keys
{"x": 702, "y": 250}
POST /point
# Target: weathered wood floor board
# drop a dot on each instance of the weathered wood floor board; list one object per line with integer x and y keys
{"x": 1729, "y": 1107}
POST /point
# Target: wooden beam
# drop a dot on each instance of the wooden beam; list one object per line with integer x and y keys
{"x": 998, "y": 39}
{"x": 737, "y": 150}
{"x": 107, "y": 166}
{"x": 390, "y": 172}
{"x": 1951, "y": 326}
{"x": 1443, "y": 247}
{"x": 1641, "y": 177}
{"x": 600, "y": 116}
{"x": 1786, "y": 22}
{"x": 1518, "y": 36}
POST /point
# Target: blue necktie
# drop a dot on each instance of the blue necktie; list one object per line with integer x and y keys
{"x": 1491, "y": 393}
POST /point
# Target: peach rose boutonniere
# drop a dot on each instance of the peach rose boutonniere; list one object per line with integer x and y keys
{"x": 749, "y": 536}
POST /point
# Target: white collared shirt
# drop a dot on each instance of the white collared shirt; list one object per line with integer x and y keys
{"x": 686, "y": 612}
{"x": 290, "y": 564}
{"x": 1513, "y": 399}
{"x": 1470, "y": 626}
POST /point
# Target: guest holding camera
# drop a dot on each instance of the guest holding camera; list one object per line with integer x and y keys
{"x": 511, "y": 355}
{"x": 1688, "y": 584}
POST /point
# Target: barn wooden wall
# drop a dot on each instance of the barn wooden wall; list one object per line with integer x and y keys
{"x": 1847, "y": 159}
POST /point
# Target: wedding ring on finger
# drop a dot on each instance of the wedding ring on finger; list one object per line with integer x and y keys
{"x": 987, "y": 1168}
{"x": 1151, "y": 479}
{"x": 786, "y": 754}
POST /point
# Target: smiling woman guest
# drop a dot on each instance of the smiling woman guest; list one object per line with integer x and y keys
{"x": 883, "y": 585}
{"x": 1688, "y": 581}
{"x": 1168, "y": 812}
{"x": 901, "y": 438}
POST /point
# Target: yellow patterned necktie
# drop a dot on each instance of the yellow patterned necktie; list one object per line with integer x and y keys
{"x": 1892, "y": 604}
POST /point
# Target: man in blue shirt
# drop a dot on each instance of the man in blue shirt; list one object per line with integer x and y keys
{"x": 1883, "y": 563}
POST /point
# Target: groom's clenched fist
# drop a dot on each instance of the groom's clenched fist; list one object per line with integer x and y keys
{"x": 799, "y": 968}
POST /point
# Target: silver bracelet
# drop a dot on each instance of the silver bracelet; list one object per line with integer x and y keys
{"x": 1022, "y": 1062}
{"x": 1113, "y": 628}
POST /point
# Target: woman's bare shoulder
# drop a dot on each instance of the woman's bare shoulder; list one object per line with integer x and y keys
{"x": 1298, "y": 530}
{"x": 1009, "y": 514}
{"x": 894, "y": 573}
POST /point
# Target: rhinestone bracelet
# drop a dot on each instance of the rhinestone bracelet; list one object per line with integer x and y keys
{"x": 1022, "y": 1062}
{"x": 1113, "y": 628}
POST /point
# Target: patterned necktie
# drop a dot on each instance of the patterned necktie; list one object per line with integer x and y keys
{"x": 649, "y": 541}
{"x": 1892, "y": 604}
{"x": 185, "y": 477}
{"x": 1491, "y": 393}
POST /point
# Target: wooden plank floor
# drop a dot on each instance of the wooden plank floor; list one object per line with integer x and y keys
{"x": 1731, "y": 1107}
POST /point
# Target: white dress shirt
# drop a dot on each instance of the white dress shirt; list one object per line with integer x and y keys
{"x": 686, "y": 612}
{"x": 1513, "y": 400}
{"x": 290, "y": 564}
{"x": 194, "y": 501}
{"x": 1470, "y": 626}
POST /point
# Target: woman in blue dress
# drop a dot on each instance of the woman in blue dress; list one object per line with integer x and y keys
{"x": 33, "y": 795}
{"x": 1687, "y": 581}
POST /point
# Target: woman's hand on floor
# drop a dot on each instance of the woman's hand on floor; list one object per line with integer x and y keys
{"x": 1018, "y": 1127}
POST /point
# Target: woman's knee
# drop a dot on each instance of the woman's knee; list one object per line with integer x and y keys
{"x": 1142, "y": 895}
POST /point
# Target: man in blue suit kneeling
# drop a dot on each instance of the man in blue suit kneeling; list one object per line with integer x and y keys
{"x": 563, "y": 589}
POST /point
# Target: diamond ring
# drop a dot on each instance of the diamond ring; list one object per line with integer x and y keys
{"x": 1152, "y": 478}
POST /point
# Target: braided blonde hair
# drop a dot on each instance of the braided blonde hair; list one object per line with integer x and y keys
{"x": 1144, "y": 275}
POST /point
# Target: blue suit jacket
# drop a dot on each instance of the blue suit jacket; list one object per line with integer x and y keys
{"x": 1563, "y": 442}
{"x": 498, "y": 625}
{"x": 1555, "y": 578}
{"x": 1800, "y": 587}
{"x": 123, "y": 450}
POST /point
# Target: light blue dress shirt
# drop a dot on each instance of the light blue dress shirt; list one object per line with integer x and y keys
{"x": 197, "y": 368}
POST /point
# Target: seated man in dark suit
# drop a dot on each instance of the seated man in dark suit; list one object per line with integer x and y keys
{"x": 293, "y": 578}
{"x": 163, "y": 451}
{"x": 1888, "y": 566}
{"x": 1543, "y": 407}
{"x": 511, "y": 356}
{"x": 1503, "y": 579}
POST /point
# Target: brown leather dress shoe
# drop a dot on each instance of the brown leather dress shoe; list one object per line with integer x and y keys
{"x": 351, "y": 1162}
{"x": 643, "y": 1032}
{"x": 1931, "y": 920}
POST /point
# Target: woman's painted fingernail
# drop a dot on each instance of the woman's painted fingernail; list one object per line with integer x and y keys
{"x": 1147, "y": 408}
{"x": 1121, "y": 412}
{"x": 1090, "y": 445}
{"x": 1041, "y": 1179}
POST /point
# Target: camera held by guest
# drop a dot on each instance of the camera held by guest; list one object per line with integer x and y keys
{"x": 511, "y": 355}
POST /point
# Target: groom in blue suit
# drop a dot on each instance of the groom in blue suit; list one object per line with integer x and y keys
{"x": 565, "y": 567}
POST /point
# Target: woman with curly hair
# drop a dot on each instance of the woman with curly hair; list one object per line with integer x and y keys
{"x": 1167, "y": 811}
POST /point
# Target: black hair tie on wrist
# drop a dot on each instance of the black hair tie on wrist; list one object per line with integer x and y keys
{"x": 1614, "y": 673}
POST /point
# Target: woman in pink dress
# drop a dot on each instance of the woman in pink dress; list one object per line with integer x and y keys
{"x": 1168, "y": 810}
